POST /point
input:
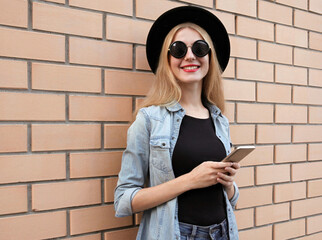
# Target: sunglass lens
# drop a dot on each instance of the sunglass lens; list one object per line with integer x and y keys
{"x": 178, "y": 49}
{"x": 200, "y": 48}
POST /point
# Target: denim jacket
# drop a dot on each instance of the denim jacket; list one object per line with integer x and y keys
{"x": 147, "y": 162}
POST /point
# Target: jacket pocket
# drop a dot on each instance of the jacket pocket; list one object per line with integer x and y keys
{"x": 160, "y": 154}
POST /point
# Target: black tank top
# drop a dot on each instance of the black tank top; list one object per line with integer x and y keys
{"x": 197, "y": 142}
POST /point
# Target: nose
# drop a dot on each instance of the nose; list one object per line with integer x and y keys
{"x": 189, "y": 55}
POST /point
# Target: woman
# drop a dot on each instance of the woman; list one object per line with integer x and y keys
{"x": 171, "y": 168}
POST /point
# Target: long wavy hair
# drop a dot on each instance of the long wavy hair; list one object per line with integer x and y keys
{"x": 165, "y": 90}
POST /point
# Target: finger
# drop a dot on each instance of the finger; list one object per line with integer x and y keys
{"x": 231, "y": 171}
{"x": 221, "y": 164}
{"x": 225, "y": 177}
{"x": 236, "y": 165}
{"x": 224, "y": 183}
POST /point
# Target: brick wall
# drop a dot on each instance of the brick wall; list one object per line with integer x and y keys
{"x": 72, "y": 72}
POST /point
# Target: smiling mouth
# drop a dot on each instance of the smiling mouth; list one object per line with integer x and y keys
{"x": 190, "y": 67}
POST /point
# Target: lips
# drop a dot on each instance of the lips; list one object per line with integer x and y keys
{"x": 190, "y": 68}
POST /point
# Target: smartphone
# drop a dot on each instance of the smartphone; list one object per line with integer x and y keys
{"x": 238, "y": 154}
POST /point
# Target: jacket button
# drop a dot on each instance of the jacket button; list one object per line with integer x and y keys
{"x": 163, "y": 144}
{"x": 178, "y": 120}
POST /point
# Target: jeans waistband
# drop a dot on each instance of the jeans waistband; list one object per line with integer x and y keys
{"x": 195, "y": 230}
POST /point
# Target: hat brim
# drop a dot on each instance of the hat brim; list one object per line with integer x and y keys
{"x": 205, "y": 19}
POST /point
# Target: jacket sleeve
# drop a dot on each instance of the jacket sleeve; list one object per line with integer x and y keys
{"x": 134, "y": 167}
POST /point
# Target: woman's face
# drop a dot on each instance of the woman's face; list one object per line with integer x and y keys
{"x": 190, "y": 68}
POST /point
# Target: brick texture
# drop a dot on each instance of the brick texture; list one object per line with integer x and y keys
{"x": 73, "y": 71}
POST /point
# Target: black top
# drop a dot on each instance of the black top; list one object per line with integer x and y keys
{"x": 197, "y": 142}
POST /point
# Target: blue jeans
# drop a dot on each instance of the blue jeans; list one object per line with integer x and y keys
{"x": 212, "y": 232}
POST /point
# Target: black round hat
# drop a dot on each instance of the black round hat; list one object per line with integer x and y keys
{"x": 205, "y": 19}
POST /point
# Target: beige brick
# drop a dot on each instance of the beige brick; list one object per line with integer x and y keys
{"x": 230, "y": 69}
{"x": 65, "y": 194}
{"x": 141, "y": 61}
{"x": 273, "y": 134}
{"x": 128, "y": 83}
{"x": 239, "y": 90}
{"x": 65, "y": 78}
{"x": 289, "y": 191}
{"x": 242, "y": 134}
{"x": 291, "y": 36}
{"x": 315, "y": 114}
{"x": 56, "y": 1}
{"x": 305, "y": 171}
{"x": 205, "y": 3}
{"x": 306, "y": 207}
{"x": 35, "y": 167}
{"x": 96, "y": 219}
{"x": 272, "y": 214}
{"x": 253, "y": 70}
{"x": 124, "y": 7}
{"x": 31, "y": 106}
{"x": 129, "y": 234}
{"x": 245, "y": 177}
{"x": 314, "y": 224}
{"x": 109, "y": 186}
{"x": 34, "y": 226}
{"x": 315, "y": 40}
{"x": 315, "y": 6}
{"x": 263, "y": 233}
{"x": 127, "y": 29}
{"x": 252, "y": 28}
{"x": 106, "y": 108}
{"x": 307, "y": 95}
{"x": 314, "y": 188}
{"x": 307, "y": 58}
{"x": 263, "y": 195}
{"x": 14, "y": 13}
{"x": 261, "y": 155}
{"x": 244, "y": 7}
{"x": 245, "y": 218}
{"x": 307, "y": 133}
{"x": 315, "y": 152}
{"x": 241, "y": 47}
{"x": 275, "y": 12}
{"x": 96, "y": 236}
{"x": 13, "y": 74}
{"x": 307, "y": 20}
{"x": 54, "y": 18}
{"x": 227, "y": 19}
{"x": 294, "y": 3}
{"x": 95, "y": 164}
{"x": 13, "y": 138}
{"x": 290, "y": 114}
{"x": 32, "y": 45}
{"x": 147, "y": 8}
{"x": 272, "y": 174}
{"x": 290, "y": 153}
{"x": 94, "y": 52}
{"x": 230, "y": 111}
{"x": 289, "y": 230}
{"x": 317, "y": 236}
{"x": 274, "y": 93}
{"x": 275, "y": 53}
{"x": 254, "y": 113}
{"x": 13, "y": 199}
{"x": 290, "y": 74}
{"x": 315, "y": 77}
{"x": 115, "y": 135}
{"x": 48, "y": 137}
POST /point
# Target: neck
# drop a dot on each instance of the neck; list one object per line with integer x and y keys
{"x": 191, "y": 100}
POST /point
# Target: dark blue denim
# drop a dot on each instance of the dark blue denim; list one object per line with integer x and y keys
{"x": 212, "y": 232}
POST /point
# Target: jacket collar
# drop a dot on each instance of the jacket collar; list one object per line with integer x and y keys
{"x": 176, "y": 106}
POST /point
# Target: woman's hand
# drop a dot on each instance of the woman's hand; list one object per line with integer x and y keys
{"x": 227, "y": 178}
{"x": 207, "y": 174}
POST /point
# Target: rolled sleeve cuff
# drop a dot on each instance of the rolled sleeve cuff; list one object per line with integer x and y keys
{"x": 124, "y": 207}
{"x": 234, "y": 199}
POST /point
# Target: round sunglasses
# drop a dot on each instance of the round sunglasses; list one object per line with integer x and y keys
{"x": 179, "y": 49}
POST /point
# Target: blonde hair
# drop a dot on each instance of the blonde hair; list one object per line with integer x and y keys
{"x": 165, "y": 91}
